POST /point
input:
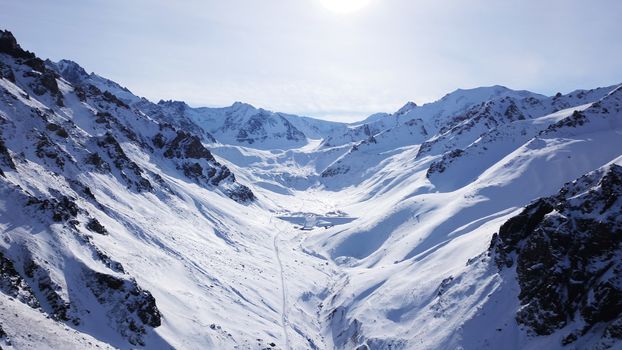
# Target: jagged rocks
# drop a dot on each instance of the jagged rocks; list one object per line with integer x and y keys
{"x": 71, "y": 71}
{"x": 193, "y": 170}
{"x": 110, "y": 97}
{"x": 334, "y": 171}
{"x": 58, "y": 130}
{"x": 95, "y": 226}
{"x": 440, "y": 165}
{"x": 46, "y": 82}
{"x": 217, "y": 175}
{"x": 184, "y": 145}
{"x": 291, "y": 133}
{"x": 129, "y": 170}
{"x": 576, "y": 119}
{"x": 568, "y": 255}
{"x": 212, "y": 175}
{"x": 350, "y": 333}
{"x": 102, "y": 117}
{"x": 241, "y": 194}
{"x": 93, "y": 91}
{"x": 181, "y": 146}
{"x": 129, "y": 306}
{"x": 46, "y": 148}
{"x": 80, "y": 93}
{"x": 59, "y": 308}
{"x": 99, "y": 254}
{"x": 5, "y": 157}
{"x": 7, "y": 73}
{"x": 13, "y": 285}
{"x": 261, "y": 125}
{"x": 97, "y": 161}
{"x": 9, "y": 46}
{"x": 107, "y": 260}
{"x": 62, "y": 209}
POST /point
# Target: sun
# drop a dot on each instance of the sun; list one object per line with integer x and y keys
{"x": 344, "y": 6}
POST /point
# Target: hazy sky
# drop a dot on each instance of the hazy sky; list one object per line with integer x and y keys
{"x": 301, "y": 56}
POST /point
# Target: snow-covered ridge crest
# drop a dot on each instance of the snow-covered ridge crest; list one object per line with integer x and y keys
{"x": 69, "y": 151}
{"x": 132, "y": 224}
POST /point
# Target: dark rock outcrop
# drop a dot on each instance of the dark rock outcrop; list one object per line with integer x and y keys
{"x": 128, "y": 305}
{"x": 13, "y": 285}
{"x": 63, "y": 209}
{"x": 95, "y": 226}
{"x": 184, "y": 145}
{"x": 57, "y": 307}
{"x": 567, "y": 250}
{"x": 441, "y": 165}
{"x": 129, "y": 170}
{"x": 9, "y": 46}
{"x": 5, "y": 157}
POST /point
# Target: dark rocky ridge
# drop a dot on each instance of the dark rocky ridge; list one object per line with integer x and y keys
{"x": 13, "y": 285}
{"x": 110, "y": 138}
{"x": 567, "y": 251}
{"x": 129, "y": 305}
{"x": 9, "y": 46}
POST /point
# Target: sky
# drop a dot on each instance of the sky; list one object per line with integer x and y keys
{"x": 332, "y": 59}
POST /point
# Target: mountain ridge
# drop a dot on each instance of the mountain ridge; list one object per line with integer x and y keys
{"x": 132, "y": 224}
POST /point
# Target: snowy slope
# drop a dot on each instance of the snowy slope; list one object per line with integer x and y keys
{"x": 131, "y": 224}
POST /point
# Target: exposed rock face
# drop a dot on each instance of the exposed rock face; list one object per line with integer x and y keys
{"x": 185, "y": 145}
{"x": 44, "y": 80}
{"x": 567, "y": 250}
{"x": 131, "y": 307}
{"x": 197, "y": 162}
{"x": 241, "y": 194}
{"x": 58, "y": 308}
{"x": 174, "y": 113}
{"x": 129, "y": 170}
{"x": 71, "y": 71}
{"x": 95, "y": 226}
{"x": 334, "y": 171}
{"x": 5, "y": 158}
{"x": 53, "y": 163}
{"x": 62, "y": 209}
{"x": 440, "y": 165}
{"x": 12, "y": 284}
{"x": 9, "y": 45}
{"x": 257, "y": 128}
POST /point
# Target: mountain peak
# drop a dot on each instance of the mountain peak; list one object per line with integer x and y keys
{"x": 9, "y": 45}
{"x": 465, "y": 97}
{"x": 69, "y": 64}
{"x": 172, "y": 103}
{"x": 71, "y": 71}
{"x": 480, "y": 91}
{"x": 406, "y": 108}
{"x": 242, "y": 105}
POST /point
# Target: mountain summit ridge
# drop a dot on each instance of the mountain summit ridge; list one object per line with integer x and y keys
{"x": 129, "y": 224}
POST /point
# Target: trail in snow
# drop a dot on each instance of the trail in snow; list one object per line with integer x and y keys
{"x": 284, "y": 321}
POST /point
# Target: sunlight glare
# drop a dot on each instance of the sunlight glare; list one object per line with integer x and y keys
{"x": 344, "y": 6}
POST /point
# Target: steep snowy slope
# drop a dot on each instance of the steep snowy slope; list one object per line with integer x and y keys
{"x": 131, "y": 224}
{"x": 398, "y": 261}
{"x": 109, "y": 219}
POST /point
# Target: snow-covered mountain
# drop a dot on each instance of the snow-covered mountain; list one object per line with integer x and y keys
{"x": 487, "y": 219}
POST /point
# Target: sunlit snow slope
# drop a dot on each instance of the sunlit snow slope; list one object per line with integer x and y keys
{"x": 451, "y": 225}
